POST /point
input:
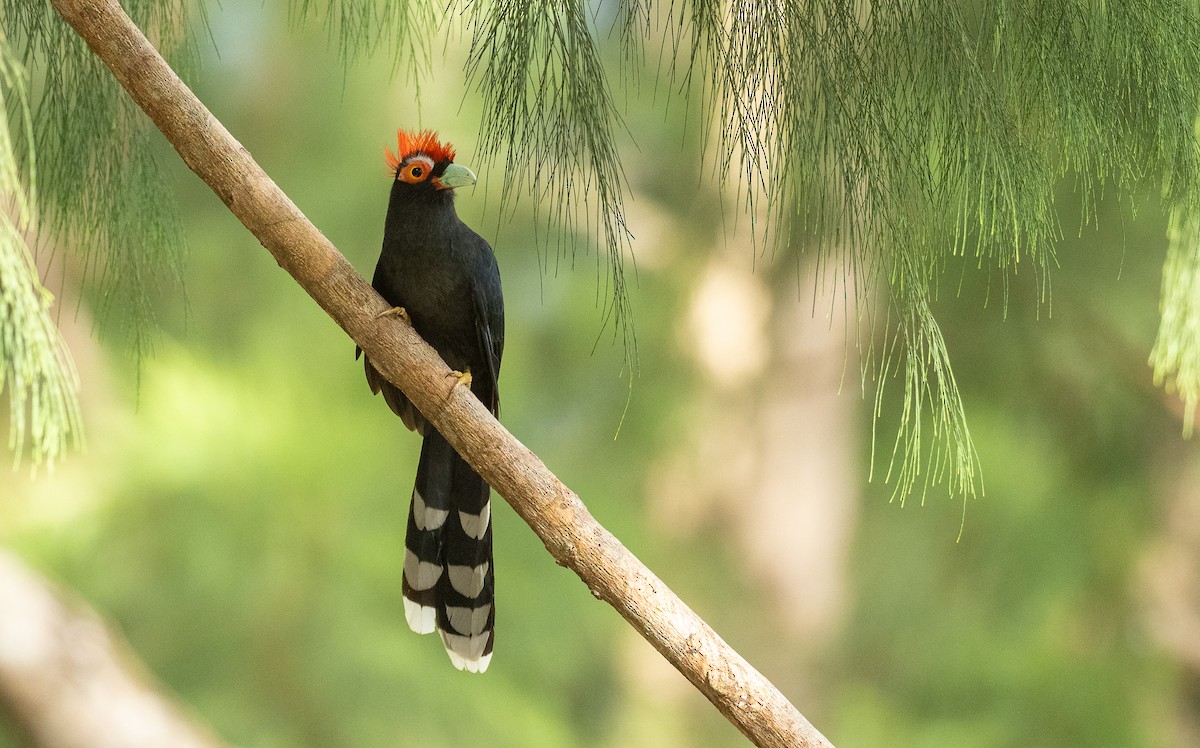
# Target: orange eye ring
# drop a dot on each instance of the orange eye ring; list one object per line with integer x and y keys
{"x": 415, "y": 170}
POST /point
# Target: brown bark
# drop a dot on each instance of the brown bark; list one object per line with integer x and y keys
{"x": 70, "y": 682}
{"x": 570, "y": 533}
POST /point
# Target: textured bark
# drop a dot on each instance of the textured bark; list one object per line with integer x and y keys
{"x": 70, "y": 682}
{"x": 573, "y": 537}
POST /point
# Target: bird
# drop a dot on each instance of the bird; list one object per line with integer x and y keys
{"x": 443, "y": 278}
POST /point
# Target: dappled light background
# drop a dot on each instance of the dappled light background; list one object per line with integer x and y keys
{"x": 240, "y": 507}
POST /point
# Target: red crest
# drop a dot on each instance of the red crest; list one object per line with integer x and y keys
{"x": 411, "y": 143}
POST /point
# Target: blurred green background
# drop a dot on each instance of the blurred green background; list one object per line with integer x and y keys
{"x": 239, "y": 510}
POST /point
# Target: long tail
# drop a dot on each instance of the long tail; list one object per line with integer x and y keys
{"x": 449, "y": 582}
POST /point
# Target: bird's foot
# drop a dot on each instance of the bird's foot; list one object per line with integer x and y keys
{"x": 396, "y": 311}
{"x": 463, "y": 377}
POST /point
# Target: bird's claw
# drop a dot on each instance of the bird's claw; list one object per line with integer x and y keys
{"x": 396, "y": 311}
{"x": 463, "y": 377}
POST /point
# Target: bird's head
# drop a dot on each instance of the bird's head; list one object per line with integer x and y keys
{"x": 422, "y": 165}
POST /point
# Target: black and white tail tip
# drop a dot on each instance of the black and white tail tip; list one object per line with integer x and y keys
{"x": 449, "y": 581}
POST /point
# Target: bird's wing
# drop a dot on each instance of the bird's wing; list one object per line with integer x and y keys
{"x": 396, "y": 400}
{"x": 489, "y": 330}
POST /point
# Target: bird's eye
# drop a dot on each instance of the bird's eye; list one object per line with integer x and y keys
{"x": 414, "y": 171}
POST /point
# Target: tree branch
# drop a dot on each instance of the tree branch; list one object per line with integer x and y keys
{"x": 70, "y": 682}
{"x": 570, "y": 533}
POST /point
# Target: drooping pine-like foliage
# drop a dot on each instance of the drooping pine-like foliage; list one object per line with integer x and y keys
{"x": 368, "y": 27}
{"x": 1176, "y": 354}
{"x": 34, "y": 366}
{"x": 895, "y": 139}
{"x": 103, "y": 193}
{"x": 909, "y": 136}
{"x": 546, "y": 100}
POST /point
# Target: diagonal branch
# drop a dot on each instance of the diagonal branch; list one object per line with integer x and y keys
{"x": 570, "y": 533}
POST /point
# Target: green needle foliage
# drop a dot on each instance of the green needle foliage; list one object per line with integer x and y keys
{"x": 1176, "y": 354}
{"x": 34, "y": 366}
{"x": 548, "y": 120}
{"x": 103, "y": 188}
{"x": 902, "y": 137}
{"x": 365, "y": 27}
{"x": 897, "y": 140}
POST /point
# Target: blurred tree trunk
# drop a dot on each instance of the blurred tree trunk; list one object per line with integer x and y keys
{"x": 772, "y": 452}
{"x": 1169, "y": 585}
{"x": 68, "y": 680}
{"x": 769, "y": 463}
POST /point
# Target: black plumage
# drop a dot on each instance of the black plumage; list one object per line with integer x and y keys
{"x": 445, "y": 277}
